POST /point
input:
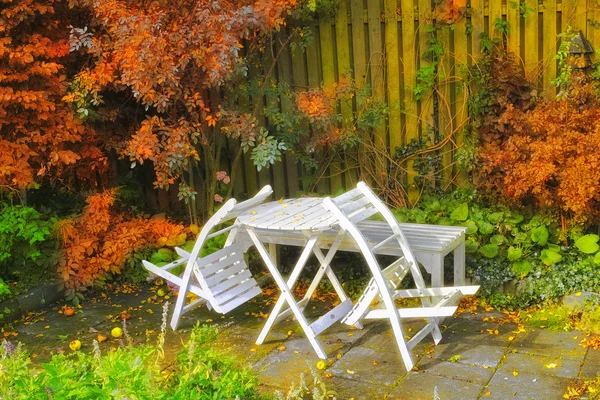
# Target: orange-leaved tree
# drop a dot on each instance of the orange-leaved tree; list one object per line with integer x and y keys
{"x": 39, "y": 133}
{"x": 172, "y": 58}
{"x": 97, "y": 244}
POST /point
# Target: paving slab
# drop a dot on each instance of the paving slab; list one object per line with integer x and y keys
{"x": 352, "y": 388}
{"x": 591, "y": 365}
{"x": 424, "y": 386}
{"x": 538, "y": 341}
{"x": 455, "y": 370}
{"x": 526, "y": 386}
{"x": 550, "y": 365}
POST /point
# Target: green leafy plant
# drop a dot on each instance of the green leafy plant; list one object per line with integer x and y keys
{"x": 199, "y": 371}
{"x": 27, "y": 248}
{"x": 507, "y": 248}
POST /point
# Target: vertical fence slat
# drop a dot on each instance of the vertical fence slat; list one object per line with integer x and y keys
{"x": 264, "y": 175}
{"x": 478, "y": 28}
{"x": 593, "y": 23}
{"x": 409, "y": 57}
{"x": 314, "y": 81}
{"x": 513, "y": 17}
{"x": 328, "y": 68}
{"x": 445, "y": 105}
{"x": 460, "y": 105}
{"x": 574, "y": 14}
{"x": 377, "y": 75}
{"x": 495, "y": 13}
{"x": 426, "y": 101}
{"x": 568, "y": 11}
{"x": 284, "y": 70}
{"x": 531, "y": 39}
{"x": 549, "y": 46}
{"x": 300, "y": 82}
{"x": 344, "y": 68}
{"x": 359, "y": 58}
{"x": 393, "y": 74}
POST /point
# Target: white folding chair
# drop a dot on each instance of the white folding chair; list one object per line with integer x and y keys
{"x": 223, "y": 280}
{"x": 358, "y": 205}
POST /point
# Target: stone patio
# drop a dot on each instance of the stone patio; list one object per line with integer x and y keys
{"x": 480, "y": 356}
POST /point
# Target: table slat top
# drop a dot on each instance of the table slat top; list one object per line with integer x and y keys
{"x": 303, "y": 214}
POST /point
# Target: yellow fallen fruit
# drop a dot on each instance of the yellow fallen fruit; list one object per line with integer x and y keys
{"x": 321, "y": 364}
{"x": 160, "y": 292}
{"x": 75, "y": 345}
{"x": 116, "y": 332}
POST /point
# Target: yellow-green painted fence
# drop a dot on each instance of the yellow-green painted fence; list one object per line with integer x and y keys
{"x": 381, "y": 43}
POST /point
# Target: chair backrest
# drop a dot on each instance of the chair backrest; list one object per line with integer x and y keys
{"x": 388, "y": 216}
{"x": 355, "y": 205}
{"x": 361, "y": 203}
{"x": 230, "y": 210}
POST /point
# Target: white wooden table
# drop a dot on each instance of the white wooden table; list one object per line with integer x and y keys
{"x": 308, "y": 216}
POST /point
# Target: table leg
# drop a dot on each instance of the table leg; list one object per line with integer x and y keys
{"x": 325, "y": 269}
{"x": 286, "y": 294}
{"x": 459, "y": 265}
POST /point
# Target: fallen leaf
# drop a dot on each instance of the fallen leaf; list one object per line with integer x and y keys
{"x": 252, "y": 349}
{"x": 515, "y": 372}
{"x": 552, "y": 365}
{"x": 350, "y": 372}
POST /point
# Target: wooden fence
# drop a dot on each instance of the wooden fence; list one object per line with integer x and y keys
{"x": 381, "y": 43}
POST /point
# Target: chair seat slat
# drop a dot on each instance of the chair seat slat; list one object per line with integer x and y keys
{"x": 238, "y": 301}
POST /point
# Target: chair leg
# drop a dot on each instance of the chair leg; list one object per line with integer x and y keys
{"x": 180, "y": 303}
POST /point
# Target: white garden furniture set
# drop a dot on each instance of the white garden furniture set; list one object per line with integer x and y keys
{"x": 222, "y": 279}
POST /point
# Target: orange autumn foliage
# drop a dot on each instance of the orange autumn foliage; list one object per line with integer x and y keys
{"x": 39, "y": 134}
{"x": 169, "y": 56}
{"x": 548, "y": 156}
{"x": 98, "y": 243}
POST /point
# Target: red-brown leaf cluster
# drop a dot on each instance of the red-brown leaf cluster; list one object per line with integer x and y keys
{"x": 99, "y": 242}
{"x": 548, "y": 156}
{"x": 39, "y": 134}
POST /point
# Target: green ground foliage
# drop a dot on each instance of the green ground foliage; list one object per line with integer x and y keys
{"x": 519, "y": 257}
{"x": 131, "y": 371}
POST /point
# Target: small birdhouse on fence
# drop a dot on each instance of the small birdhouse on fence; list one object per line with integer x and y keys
{"x": 580, "y": 51}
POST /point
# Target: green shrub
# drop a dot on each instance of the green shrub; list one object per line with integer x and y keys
{"x": 27, "y": 249}
{"x": 507, "y": 247}
{"x": 133, "y": 372}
